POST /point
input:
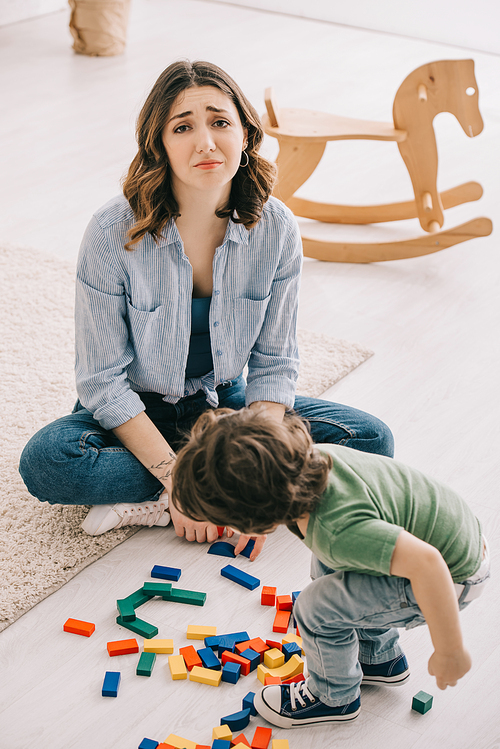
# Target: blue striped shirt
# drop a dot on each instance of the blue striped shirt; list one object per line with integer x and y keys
{"x": 133, "y": 313}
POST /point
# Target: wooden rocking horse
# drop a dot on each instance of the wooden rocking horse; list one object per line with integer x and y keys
{"x": 443, "y": 86}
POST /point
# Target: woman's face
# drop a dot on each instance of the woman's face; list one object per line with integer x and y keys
{"x": 203, "y": 138}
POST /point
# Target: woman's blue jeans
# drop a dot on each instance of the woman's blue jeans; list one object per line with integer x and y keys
{"x": 75, "y": 461}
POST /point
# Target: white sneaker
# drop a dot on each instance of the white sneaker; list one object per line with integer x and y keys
{"x": 102, "y": 518}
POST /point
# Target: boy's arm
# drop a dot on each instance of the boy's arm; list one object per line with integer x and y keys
{"x": 435, "y": 594}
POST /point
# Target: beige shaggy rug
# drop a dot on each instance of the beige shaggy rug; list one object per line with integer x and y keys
{"x": 41, "y": 545}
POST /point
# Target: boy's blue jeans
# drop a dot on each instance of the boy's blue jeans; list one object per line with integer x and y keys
{"x": 346, "y": 618}
{"x": 75, "y": 461}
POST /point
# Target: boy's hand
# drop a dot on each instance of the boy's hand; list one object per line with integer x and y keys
{"x": 242, "y": 542}
{"x": 448, "y": 669}
{"x": 191, "y": 530}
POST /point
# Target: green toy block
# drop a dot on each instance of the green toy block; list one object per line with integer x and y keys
{"x": 140, "y": 627}
{"x": 422, "y": 702}
{"x": 157, "y": 589}
{"x": 187, "y": 596}
{"x": 138, "y": 598}
{"x": 145, "y": 665}
{"x": 126, "y": 609}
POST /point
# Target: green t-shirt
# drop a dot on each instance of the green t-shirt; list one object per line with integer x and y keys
{"x": 371, "y": 498}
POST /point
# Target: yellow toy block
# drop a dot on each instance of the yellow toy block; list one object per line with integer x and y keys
{"x": 279, "y": 744}
{"x": 293, "y": 638}
{"x": 158, "y": 646}
{"x": 222, "y": 732}
{"x": 199, "y": 633}
{"x": 240, "y": 745}
{"x": 273, "y": 658}
{"x": 179, "y": 742}
{"x": 291, "y": 668}
{"x": 205, "y": 676}
{"x": 177, "y": 666}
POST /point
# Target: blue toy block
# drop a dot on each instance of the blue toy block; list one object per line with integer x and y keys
{"x": 111, "y": 683}
{"x": 252, "y": 656}
{"x": 212, "y": 641}
{"x": 248, "y": 703}
{"x": 231, "y": 673}
{"x": 221, "y": 743}
{"x": 289, "y": 649}
{"x": 240, "y": 577}
{"x": 222, "y": 549}
{"x": 226, "y": 643}
{"x": 148, "y": 744}
{"x": 209, "y": 659}
{"x": 166, "y": 573}
{"x": 248, "y": 549}
{"x": 237, "y": 721}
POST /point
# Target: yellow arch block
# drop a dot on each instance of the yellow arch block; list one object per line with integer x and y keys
{"x": 294, "y": 666}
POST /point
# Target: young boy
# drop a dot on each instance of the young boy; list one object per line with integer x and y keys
{"x": 391, "y": 548}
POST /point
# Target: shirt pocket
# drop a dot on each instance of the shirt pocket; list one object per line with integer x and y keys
{"x": 248, "y": 315}
{"x": 149, "y": 331}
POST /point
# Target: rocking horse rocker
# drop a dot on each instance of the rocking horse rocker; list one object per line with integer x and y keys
{"x": 443, "y": 86}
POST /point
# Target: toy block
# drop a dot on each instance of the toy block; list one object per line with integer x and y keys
{"x": 284, "y": 603}
{"x": 252, "y": 656}
{"x": 77, "y": 627}
{"x": 139, "y": 626}
{"x": 226, "y": 643}
{"x": 191, "y": 657}
{"x": 257, "y": 645}
{"x": 281, "y": 621}
{"x": 274, "y": 658}
{"x": 126, "y": 609}
{"x": 203, "y": 746}
{"x": 148, "y": 744}
{"x": 240, "y": 577}
{"x": 293, "y": 638}
{"x": 274, "y": 644}
{"x": 177, "y": 666}
{"x": 248, "y": 549}
{"x": 231, "y": 672}
{"x": 111, "y": 683}
{"x": 179, "y": 743}
{"x": 165, "y": 746}
{"x": 294, "y": 679}
{"x": 240, "y": 745}
{"x": 261, "y": 738}
{"x": 205, "y": 676}
{"x": 268, "y": 680}
{"x": 240, "y": 741}
{"x": 137, "y": 598}
{"x": 268, "y": 596}
{"x": 220, "y": 530}
{"x": 235, "y": 658}
{"x": 291, "y": 668}
{"x": 158, "y": 646}
{"x": 221, "y": 744}
{"x": 145, "y": 665}
{"x": 200, "y": 633}
{"x": 209, "y": 659}
{"x": 166, "y": 573}
{"x": 122, "y": 647}
{"x": 157, "y": 589}
{"x": 280, "y": 744}
{"x": 222, "y": 732}
{"x": 222, "y": 549}
{"x": 290, "y": 648}
{"x": 192, "y": 597}
{"x": 248, "y": 702}
{"x": 422, "y": 702}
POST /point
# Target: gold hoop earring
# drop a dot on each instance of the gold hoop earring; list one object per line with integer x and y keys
{"x": 247, "y": 161}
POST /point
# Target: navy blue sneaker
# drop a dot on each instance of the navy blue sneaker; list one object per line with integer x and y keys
{"x": 391, "y": 673}
{"x": 293, "y": 705}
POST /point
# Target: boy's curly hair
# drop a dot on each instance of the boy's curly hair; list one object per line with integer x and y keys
{"x": 242, "y": 470}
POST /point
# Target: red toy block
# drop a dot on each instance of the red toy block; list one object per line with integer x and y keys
{"x": 268, "y": 596}
{"x": 235, "y": 658}
{"x": 123, "y": 647}
{"x": 167, "y": 746}
{"x": 220, "y": 530}
{"x": 281, "y": 621}
{"x": 261, "y": 738}
{"x": 268, "y": 679}
{"x": 294, "y": 679}
{"x": 191, "y": 657}
{"x": 284, "y": 603}
{"x": 77, "y": 627}
{"x": 239, "y": 740}
{"x": 274, "y": 644}
{"x": 297, "y": 631}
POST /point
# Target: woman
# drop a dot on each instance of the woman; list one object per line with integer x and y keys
{"x": 184, "y": 280}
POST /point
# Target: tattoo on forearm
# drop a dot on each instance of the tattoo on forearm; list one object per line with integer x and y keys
{"x": 164, "y": 463}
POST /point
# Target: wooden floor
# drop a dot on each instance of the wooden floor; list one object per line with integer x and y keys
{"x": 67, "y": 136}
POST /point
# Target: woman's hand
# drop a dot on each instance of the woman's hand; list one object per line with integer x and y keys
{"x": 191, "y": 530}
{"x": 243, "y": 540}
{"x": 449, "y": 668}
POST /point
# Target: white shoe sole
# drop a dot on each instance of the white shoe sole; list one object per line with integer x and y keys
{"x": 283, "y": 721}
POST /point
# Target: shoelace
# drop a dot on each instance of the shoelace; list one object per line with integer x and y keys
{"x": 143, "y": 514}
{"x": 300, "y": 692}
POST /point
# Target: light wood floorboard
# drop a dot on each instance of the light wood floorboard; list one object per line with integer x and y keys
{"x": 67, "y": 137}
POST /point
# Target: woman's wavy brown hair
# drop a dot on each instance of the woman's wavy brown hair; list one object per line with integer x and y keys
{"x": 242, "y": 470}
{"x": 147, "y": 185}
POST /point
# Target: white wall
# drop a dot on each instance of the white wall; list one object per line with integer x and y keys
{"x": 12, "y": 11}
{"x": 474, "y": 24}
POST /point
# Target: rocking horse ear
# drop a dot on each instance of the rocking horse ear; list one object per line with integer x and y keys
{"x": 271, "y": 106}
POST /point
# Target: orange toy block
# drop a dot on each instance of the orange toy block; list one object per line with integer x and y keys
{"x": 191, "y": 657}
{"x": 281, "y": 621}
{"x": 261, "y": 738}
{"x": 200, "y": 746}
{"x": 234, "y": 658}
{"x": 177, "y": 666}
{"x": 268, "y": 596}
{"x": 123, "y": 647}
{"x": 294, "y": 679}
{"x": 268, "y": 679}
{"x": 241, "y": 739}
{"x": 284, "y": 603}
{"x": 165, "y": 746}
{"x": 256, "y": 644}
{"x": 77, "y": 627}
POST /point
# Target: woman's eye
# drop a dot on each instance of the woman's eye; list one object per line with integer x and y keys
{"x": 181, "y": 129}
{"x": 221, "y": 123}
